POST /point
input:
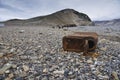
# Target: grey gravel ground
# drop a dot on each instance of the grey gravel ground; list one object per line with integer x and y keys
{"x": 35, "y": 53}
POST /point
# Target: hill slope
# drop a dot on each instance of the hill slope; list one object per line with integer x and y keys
{"x": 66, "y": 17}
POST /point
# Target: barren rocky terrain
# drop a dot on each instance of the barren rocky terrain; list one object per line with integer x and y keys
{"x": 35, "y": 53}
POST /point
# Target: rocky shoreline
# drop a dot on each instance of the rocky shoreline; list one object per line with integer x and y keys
{"x": 35, "y": 53}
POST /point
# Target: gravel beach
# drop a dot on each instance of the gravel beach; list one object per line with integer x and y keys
{"x": 35, "y": 53}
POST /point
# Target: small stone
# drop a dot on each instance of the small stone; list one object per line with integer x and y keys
{"x": 5, "y": 67}
{"x": 66, "y": 73}
{"x": 103, "y": 40}
{"x": 1, "y": 43}
{"x": 23, "y": 74}
{"x": 7, "y": 71}
{"x": 14, "y": 66}
{"x": 41, "y": 56}
{"x": 12, "y": 50}
{"x": 58, "y": 72}
{"x": 119, "y": 55}
{"x": 25, "y": 68}
{"x": 89, "y": 61}
{"x": 8, "y": 78}
{"x": 70, "y": 73}
{"x": 45, "y": 70}
{"x": 21, "y": 31}
{"x": 103, "y": 48}
{"x": 92, "y": 67}
{"x": 103, "y": 77}
{"x": 115, "y": 75}
{"x": 40, "y": 33}
{"x": 11, "y": 75}
{"x": 96, "y": 72}
{"x": 72, "y": 60}
{"x": 1, "y": 55}
{"x": 50, "y": 33}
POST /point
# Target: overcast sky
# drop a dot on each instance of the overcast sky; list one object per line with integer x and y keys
{"x": 95, "y": 9}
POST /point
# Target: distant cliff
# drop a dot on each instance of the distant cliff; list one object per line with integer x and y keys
{"x": 63, "y": 18}
{"x": 114, "y": 22}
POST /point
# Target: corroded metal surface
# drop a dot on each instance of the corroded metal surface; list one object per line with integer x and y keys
{"x": 80, "y": 42}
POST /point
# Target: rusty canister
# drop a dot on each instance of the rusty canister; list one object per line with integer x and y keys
{"x": 77, "y": 42}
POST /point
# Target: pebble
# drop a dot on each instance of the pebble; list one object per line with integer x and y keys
{"x": 23, "y": 74}
{"x": 89, "y": 61}
{"x": 103, "y": 48}
{"x": 103, "y": 77}
{"x": 8, "y": 78}
{"x": 58, "y": 72}
{"x": 115, "y": 75}
{"x": 45, "y": 70}
{"x": 14, "y": 66}
{"x": 21, "y": 31}
{"x": 92, "y": 67}
{"x": 103, "y": 41}
{"x": 11, "y": 75}
{"x": 5, "y": 67}
{"x": 25, "y": 68}
{"x": 12, "y": 50}
{"x": 7, "y": 71}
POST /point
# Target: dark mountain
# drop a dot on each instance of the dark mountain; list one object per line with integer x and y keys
{"x": 66, "y": 17}
{"x": 114, "y": 22}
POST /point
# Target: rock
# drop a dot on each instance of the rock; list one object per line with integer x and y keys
{"x": 103, "y": 77}
{"x": 45, "y": 70}
{"x": 92, "y": 67}
{"x": 11, "y": 75}
{"x": 23, "y": 74}
{"x": 7, "y": 71}
{"x": 1, "y": 55}
{"x": 58, "y": 72}
{"x": 103, "y": 48}
{"x": 14, "y": 66}
{"x": 8, "y": 78}
{"x": 96, "y": 72}
{"x": 40, "y": 33}
{"x": 5, "y": 67}
{"x": 21, "y": 31}
{"x": 103, "y": 41}
{"x": 66, "y": 72}
{"x": 89, "y": 61}
{"x": 50, "y": 33}
{"x": 12, "y": 50}
{"x": 114, "y": 74}
{"x": 119, "y": 55}
{"x": 25, "y": 68}
{"x": 69, "y": 74}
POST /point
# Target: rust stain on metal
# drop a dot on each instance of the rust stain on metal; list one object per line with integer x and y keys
{"x": 80, "y": 42}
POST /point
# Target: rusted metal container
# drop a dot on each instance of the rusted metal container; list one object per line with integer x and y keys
{"x": 80, "y": 42}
